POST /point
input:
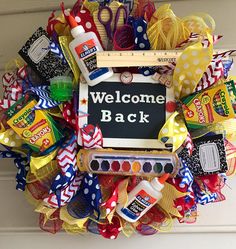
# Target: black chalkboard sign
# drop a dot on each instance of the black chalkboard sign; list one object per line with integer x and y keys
{"x": 128, "y": 115}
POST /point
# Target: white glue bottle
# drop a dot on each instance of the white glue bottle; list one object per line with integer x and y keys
{"x": 84, "y": 48}
{"x": 142, "y": 198}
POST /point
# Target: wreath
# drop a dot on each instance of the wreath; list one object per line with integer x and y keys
{"x": 75, "y": 178}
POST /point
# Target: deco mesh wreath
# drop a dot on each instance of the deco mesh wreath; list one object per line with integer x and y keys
{"x": 173, "y": 140}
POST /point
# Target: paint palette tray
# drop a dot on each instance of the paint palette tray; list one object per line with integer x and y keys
{"x": 121, "y": 162}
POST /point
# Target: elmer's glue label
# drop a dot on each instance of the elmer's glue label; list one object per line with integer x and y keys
{"x": 142, "y": 198}
{"x": 210, "y": 106}
{"x": 35, "y": 127}
{"x": 84, "y": 48}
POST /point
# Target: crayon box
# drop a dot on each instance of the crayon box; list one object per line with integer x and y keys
{"x": 36, "y": 127}
{"x": 210, "y": 106}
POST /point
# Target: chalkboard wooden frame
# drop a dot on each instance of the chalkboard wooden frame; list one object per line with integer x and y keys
{"x": 124, "y": 142}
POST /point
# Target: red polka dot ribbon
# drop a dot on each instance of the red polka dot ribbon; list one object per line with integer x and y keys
{"x": 83, "y": 17}
{"x": 69, "y": 114}
{"x": 112, "y": 230}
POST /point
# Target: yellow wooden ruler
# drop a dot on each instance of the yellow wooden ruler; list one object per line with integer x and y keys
{"x": 139, "y": 58}
{"x": 136, "y": 58}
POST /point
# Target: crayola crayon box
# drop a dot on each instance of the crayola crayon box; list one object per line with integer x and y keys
{"x": 36, "y": 127}
{"x": 210, "y": 106}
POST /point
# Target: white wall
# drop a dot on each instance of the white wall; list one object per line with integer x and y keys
{"x": 216, "y": 225}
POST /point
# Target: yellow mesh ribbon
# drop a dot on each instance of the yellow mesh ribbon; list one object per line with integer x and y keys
{"x": 64, "y": 215}
{"x": 197, "y": 23}
{"x": 175, "y": 130}
{"x": 230, "y": 129}
{"x": 62, "y": 28}
{"x": 190, "y": 66}
{"x": 167, "y": 224}
{"x": 55, "y": 112}
{"x": 73, "y": 229}
{"x": 37, "y": 163}
{"x": 41, "y": 208}
{"x": 91, "y": 6}
{"x": 165, "y": 30}
{"x": 31, "y": 199}
{"x": 122, "y": 192}
{"x": 127, "y": 228}
{"x": 12, "y": 65}
{"x": 48, "y": 171}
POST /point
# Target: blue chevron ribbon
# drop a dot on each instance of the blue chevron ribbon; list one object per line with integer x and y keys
{"x": 186, "y": 175}
{"x": 55, "y": 48}
{"x": 45, "y": 101}
{"x": 202, "y": 197}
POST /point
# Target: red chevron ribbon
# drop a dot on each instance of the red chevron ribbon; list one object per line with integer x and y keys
{"x": 223, "y": 54}
{"x": 193, "y": 37}
{"x": 168, "y": 69}
{"x": 188, "y": 143}
{"x": 67, "y": 155}
{"x": 6, "y": 104}
{"x": 206, "y": 43}
{"x": 213, "y": 73}
{"x": 21, "y": 73}
{"x": 11, "y": 86}
{"x": 91, "y": 137}
{"x": 65, "y": 195}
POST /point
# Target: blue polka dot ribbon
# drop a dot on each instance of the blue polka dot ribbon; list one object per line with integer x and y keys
{"x": 63, "y": 179}
{"x": 92, "y": 191}
{"x": 146, "y": 71}
{"x": 141, "y": 40}
{"x": 22, "y": 165}
{"x": 87, "y": 200}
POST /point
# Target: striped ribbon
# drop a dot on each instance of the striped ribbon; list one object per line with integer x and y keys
{"x": 201, "y": 196}
{"x": 186, "y": 175}
{"x": 55, "y": 48}
{"x": 188, "y": 144}
{"x": 45, "y": 101}
{"x": 213, "y": 73}
{"x": 64, "y": 195}
{"x": 91, "y": 137}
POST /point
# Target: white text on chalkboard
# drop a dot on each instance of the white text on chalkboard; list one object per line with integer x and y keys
{"x": 120, "y": 118}
{"x": 100, "y": 97}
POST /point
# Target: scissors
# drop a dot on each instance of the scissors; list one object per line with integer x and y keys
{"x": 108, "y": 22}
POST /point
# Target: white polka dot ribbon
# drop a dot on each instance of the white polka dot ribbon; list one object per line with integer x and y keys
{"x": 174, "y": 131}
{"x": 10, "y": 138}
{"x": 190, "y": 67}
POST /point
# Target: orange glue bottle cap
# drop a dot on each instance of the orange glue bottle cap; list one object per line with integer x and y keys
{"x": 75, "y": 28}
{"x": 163, "y": 178}
{"x": 158, "y": 183}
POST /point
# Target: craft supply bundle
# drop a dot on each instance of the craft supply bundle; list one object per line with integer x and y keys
{"x": 120, "y": 118}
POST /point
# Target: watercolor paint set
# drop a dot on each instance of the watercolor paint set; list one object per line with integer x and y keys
{"x": 121, "y": 162}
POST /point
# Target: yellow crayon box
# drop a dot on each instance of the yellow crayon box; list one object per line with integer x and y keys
{"x": 210, "y": 106}
{"x": 36, "y": 127}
